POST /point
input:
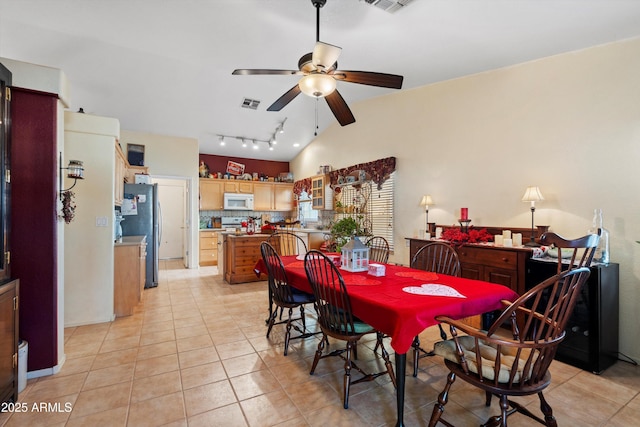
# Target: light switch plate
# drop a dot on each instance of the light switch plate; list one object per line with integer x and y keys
{"x": 101, "y": 221}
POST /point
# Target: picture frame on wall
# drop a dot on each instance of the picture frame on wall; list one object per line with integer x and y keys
{"x": 234, "y": 168}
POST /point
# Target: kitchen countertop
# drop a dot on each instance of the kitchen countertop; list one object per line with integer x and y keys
{"x": 131, "y": 241}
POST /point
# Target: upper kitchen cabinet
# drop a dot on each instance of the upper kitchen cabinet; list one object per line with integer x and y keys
{"x": 272, "y": 196}
{"x": 121, "y": 172}
{"x": 321, "y": 193}
{"x": 211, "y": 194}
{"x": 238, "y": 186}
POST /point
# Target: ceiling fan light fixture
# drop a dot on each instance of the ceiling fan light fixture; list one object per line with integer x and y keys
{"x": 317, "y": 85}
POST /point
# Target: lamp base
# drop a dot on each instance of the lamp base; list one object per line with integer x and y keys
{"x": 532, "y": 244}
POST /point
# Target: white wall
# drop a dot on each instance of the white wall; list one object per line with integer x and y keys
{"x": 167, "y": 157}
{"x": 569, "y": 124}
{"x": 88, "y": 249}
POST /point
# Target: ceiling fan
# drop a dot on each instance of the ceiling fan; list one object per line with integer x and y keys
{"x": 320, "y": 73}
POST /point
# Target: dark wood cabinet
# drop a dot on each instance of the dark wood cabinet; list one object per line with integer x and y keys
{"x": 9, "y": 341}
{"x": 241, "y": 255}
{"x": 495, "y": 264}
{"x": 591, "y": 341}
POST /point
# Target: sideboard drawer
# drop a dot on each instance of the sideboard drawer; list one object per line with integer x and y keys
{"x": 505, "y": 259}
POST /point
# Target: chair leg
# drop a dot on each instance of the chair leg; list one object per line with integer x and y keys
{"x": 443, "y": 334}
{"x": 347, "y": 374}
{"x": 387, "y": 362}
{"x": 304, "y": 324}
{"x": 549, "y": 419}
{"x": 443, "y": 398}
{"x": 379, "y": 336}
{"x": 416, "y": 355}
{"x": 318, "y": 356}
{"x": 272, "y": 321}
{"x": 287, "y": 334}
{"x": 488, "y": 396}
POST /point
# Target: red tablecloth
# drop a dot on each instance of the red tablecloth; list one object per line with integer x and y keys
{"x": 382, "y": 302}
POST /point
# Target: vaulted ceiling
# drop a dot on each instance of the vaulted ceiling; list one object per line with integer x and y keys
{"x": 164, "y": 66}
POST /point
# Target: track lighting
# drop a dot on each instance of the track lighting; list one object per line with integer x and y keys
{"x": 271, "y": 141}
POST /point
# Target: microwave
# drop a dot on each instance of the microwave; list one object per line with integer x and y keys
{"x": 238, "y": 201}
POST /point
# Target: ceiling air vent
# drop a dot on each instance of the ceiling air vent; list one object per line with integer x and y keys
{"x": 390, "y": 6}
{"x": 250, "y": 103}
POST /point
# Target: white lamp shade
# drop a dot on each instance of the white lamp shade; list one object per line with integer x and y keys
{"x": 317, "y": 85}
{"x": 325, "y": 55}
{"x": 426, "y": 201}
{"x": 532, "y": 194}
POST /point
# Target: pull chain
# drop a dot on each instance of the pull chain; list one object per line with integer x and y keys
{"x": 315, "y": 133}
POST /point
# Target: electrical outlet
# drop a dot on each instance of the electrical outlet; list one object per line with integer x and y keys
{"x": 101, "y": 221}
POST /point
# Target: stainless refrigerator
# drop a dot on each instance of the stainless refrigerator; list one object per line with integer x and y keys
{"x": 142, "y": 216}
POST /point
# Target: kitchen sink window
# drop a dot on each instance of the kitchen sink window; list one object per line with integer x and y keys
{"x": 305, "y": 212}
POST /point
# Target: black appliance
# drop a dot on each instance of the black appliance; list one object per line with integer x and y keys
{"x": 591, "y": 341}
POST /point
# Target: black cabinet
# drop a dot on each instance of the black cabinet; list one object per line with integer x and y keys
{"x": 591, "y": 342}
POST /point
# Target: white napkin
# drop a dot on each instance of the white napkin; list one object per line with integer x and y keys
{"x": 433, "y": 289}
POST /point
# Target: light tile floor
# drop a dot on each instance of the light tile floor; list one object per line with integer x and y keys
{"x": 195, "y": 354}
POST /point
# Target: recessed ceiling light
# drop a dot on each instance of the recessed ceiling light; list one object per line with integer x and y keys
{"x": 296, "y": 145}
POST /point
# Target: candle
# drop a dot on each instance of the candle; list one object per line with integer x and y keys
{"x": 464, "y": 213}
{"x": 438, "y": 232}
{"x": 498, "y": 239}
{"x": 517, "y": 239}
{"x": 507, "y": 243}
{"x": 506, "y": 234}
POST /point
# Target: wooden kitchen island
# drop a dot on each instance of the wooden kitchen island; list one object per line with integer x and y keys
{"x": 241, "y": 252}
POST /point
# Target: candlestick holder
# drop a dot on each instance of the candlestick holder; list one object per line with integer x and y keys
{"x": 464, "y": 225}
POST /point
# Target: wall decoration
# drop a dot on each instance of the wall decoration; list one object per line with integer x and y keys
{"x": 234, "y": 168}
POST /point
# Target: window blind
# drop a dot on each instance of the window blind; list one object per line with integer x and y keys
{"x": 381, "y": 210}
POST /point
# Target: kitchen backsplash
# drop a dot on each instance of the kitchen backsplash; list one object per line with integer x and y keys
{"x": 324, "y": 217}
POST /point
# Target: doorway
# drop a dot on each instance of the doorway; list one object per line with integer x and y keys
{"x": 172, "y": 194}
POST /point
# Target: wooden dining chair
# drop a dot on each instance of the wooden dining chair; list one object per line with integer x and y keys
{"x": 516, "y": 363}
{"x": 287, "y": 243}
{"x": 579, "y": 252}
{"x": 284, "y": 296}
{"x": 437, "y": 257}
{"x": 336, "y": 320}
{"x": 378, "y": 249}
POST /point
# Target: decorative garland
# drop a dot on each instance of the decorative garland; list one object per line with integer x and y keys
{"x": 68, "y": 206}
{"x": 302, "y": 185}
{"x": 379, "y": 170}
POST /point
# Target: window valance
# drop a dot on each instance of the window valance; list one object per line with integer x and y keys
{"x": 379, "y": 170}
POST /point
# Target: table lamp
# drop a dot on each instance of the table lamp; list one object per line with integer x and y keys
{"x": 532, "y": 194}
{"x": 426, "y": 202}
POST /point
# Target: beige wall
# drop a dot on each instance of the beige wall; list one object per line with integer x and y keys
{"x": 569, "y": 124}
{"x": 172, "y": 157}
{"x": 88, "y": 248}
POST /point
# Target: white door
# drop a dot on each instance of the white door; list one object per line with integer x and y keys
{"x": 172, "y": 193}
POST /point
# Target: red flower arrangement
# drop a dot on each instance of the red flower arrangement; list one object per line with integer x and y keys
{"x": 459, "y": 237}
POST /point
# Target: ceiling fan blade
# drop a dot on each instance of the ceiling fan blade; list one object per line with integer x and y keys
{"x": 340, "y": 108}
{"x": 325, "y": 55}
{"x": 248, "y": 72}
{"x": 285, "y": 99}
{"x": 370, "y": 78}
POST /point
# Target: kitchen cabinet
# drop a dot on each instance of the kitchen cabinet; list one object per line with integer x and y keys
{"x": 241, "y": 254}
{"x": 129, "y": 274}
{"x": 211, "y": 194}
{"x": 318, "y": 196}
{"x": 237, "y": 186}
{"x": 132, "y": 171}
{"x": 591, "y": 340}
{"x": 9, "y": 303}
{"x": 208, "y": 248}
{"x": 120, "y": 174}
{"x": 272, "y": 196}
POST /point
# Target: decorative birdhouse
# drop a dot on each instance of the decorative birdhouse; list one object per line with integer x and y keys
{"x": 355, "y": 255}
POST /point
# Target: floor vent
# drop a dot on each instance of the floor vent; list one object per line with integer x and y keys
{"x": 250, "y": 103}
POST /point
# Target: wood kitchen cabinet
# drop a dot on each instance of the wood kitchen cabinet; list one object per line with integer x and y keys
{"x": 120, "y": 174}
{"x": 272, "y": 196}
{"x": 129, "y": 274}
{"x": 318, "y": 191}
{"x": 208, "y": 248}
{"x": 211, "y": 194}
{"x": 241, "y": 254}
{"x": 9, "y": 303}
{"x": 237, "y": 186}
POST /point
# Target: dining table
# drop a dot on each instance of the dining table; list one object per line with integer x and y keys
{"x": 403, "y": 302}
